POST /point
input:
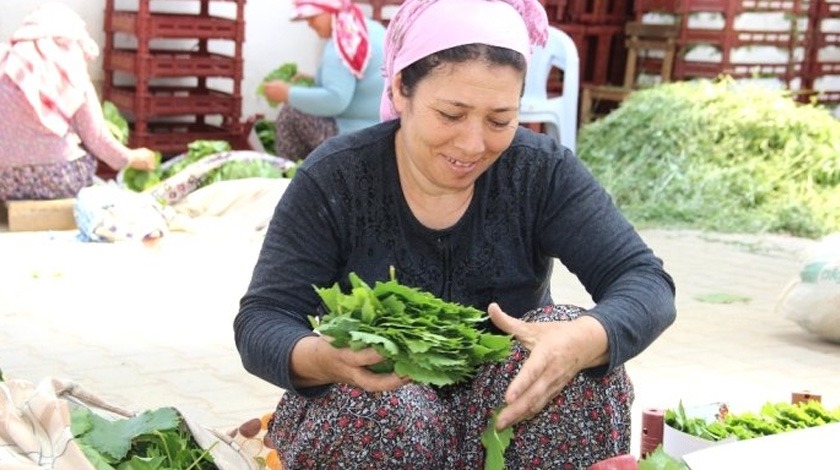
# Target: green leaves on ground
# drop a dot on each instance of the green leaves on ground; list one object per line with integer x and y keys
{"x": 719, "y": 155}
{"x": 423, "y": 337}
{"x": 495, "y": 443}
{"x": 721, "y": 298}
{"x": 267, "y": 134}
{"x": 151, "y": 440}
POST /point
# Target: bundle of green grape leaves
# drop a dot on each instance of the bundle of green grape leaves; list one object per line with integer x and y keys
{"x": 421, "y": 336}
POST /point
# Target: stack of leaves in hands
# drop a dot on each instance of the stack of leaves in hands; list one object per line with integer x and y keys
{"x": 423, "y": 337}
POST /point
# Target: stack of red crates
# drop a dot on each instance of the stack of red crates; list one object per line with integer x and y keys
{"x": 597, "y": 28}
{"x": 162, "y": 72}
{"x": 822, "y": 70}
{"x": 729, "y": 39}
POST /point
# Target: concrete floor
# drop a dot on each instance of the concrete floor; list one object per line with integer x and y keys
{"x": 150, "y": 327}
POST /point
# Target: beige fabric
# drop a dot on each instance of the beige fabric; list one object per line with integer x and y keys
{"x": 35, "y": 429}
{"x": 245, "y": 203}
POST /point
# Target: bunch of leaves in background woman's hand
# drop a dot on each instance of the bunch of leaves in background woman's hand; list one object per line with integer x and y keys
{"x": 288, "y": 73}
{"x": 141, "y": 180}
{"x": 423, "y": 337}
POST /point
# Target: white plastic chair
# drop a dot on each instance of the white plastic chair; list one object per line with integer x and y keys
{"x": 558, "y": 113}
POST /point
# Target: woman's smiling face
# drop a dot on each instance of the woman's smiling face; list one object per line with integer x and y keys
{"x": 457, "y": 122}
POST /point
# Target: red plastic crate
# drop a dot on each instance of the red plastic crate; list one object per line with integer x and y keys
{"x": 557, "y": 11}
{"x": 829, "y": 9}
{"x": 599, "y": 47}
{"x": 161, "y": 63}
{"x": 171, "y": 25}
{"x": 173, "y": 138}
{"x": 641, "y": 7}
{"x": 599, "y": 12}
{"x": 741, "y": 6}
{"x": 170, "y": 101}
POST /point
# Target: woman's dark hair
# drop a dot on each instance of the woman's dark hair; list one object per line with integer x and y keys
{"x": 494, "y": 55}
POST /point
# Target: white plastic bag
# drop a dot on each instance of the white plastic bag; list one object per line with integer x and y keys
{"x": 813, "y": 299}
{"x": 107, "y": 213}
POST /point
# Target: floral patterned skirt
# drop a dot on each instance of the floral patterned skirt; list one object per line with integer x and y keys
{"x": 423, "y": 427}
{"x": 42, "y": 182}
{"x": 297, "y": 133}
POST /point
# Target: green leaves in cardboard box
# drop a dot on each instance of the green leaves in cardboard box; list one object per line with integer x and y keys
{"x": 423, "y": 337}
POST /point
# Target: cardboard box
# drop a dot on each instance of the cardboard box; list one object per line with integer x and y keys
{"x": 25, "y": 216}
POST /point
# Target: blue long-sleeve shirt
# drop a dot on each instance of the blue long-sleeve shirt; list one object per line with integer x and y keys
{"x": 354, "y": 103}
{"x": 344, "y": 211}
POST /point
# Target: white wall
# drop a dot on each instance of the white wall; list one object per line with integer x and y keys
{"x": 270, "y": 39}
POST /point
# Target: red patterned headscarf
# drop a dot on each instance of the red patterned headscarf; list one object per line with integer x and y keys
{"x": 47, "y": 58}
{"x": 349, "y": 29}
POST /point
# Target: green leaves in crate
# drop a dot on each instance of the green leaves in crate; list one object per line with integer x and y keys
{"x": 423, "y": 337}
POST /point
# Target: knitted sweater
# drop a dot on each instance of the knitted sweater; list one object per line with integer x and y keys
{"x": 344, "y": 211}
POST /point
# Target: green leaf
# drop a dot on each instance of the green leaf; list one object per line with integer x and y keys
{"x": 495, "y": 443}
{"x": 115, "y": 122}
{"x": 721, "y": 298}
{"x": 372, "y": 340}
{"x": 659, "y": 460}
{"x": 113, "y": 438}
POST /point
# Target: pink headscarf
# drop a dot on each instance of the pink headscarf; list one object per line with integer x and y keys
{"x": 422, "y": 27}
{"x": 47, "y": 59}
{"x": 350, "y": 33}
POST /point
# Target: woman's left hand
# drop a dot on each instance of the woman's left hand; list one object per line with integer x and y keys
{"x": 558, "y": 351}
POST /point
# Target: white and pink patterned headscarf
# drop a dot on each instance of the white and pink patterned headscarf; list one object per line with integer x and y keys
{"x": 349, "y": 30}
{"x": 47, "y": 58}
{"x": 422, "y": 27}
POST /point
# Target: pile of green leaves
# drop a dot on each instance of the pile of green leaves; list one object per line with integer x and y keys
{"x": 287, "y": 72}
{"x": 140, "y": 180}
{"x": 243, "y": 169}
{"x": 423, "y": 337}
{"x": 115, "y": 122}
{"x": 153, "y": 440}
{"x": 719, "y": 155}
{"x": 266, "y": 133}
{"x": 774, "y": 418}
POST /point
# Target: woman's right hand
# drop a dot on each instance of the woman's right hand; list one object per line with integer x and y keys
{"x": 142, "y": 159}
{"x": 316, "y": 362}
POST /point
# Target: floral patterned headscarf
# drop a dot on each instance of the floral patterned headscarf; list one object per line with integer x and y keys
{"x": 349, "y": 30}
{"x": 47, "y": 58}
